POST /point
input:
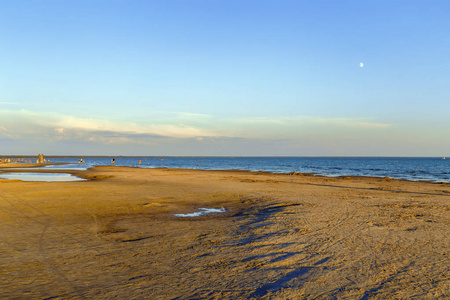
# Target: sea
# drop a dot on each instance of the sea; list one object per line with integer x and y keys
{"x": 432, "y": 169}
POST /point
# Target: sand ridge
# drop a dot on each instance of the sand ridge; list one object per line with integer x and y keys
{"x": 282, "y": 237}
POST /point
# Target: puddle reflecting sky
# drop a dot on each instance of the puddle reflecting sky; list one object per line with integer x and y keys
{"x": 47, "y": 177}
{"x": 202, "y": 212}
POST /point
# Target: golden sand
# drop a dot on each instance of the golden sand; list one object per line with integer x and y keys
{"x": 281, "y": 237}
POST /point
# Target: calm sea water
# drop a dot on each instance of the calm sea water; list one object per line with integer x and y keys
{"x": 417, "y": 169}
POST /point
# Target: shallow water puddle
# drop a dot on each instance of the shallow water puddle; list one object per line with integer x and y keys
{"x": 203, "y": 211}
{"x": 47, "y": 177}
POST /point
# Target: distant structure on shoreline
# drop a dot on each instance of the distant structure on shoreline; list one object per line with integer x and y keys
{"x": 14, "y": 161}
{"x": 40, "y": 159}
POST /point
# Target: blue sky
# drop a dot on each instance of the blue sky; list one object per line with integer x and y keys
{"x": 225, "y": 77}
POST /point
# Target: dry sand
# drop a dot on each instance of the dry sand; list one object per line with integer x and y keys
{"x": 282, "y": 237}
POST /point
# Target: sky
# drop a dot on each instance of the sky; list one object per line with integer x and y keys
{"x": 225, "y": 78}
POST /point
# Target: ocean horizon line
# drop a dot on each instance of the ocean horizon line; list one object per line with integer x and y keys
{"x": 214, "y": 156}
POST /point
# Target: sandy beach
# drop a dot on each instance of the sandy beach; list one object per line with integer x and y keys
{"x": 281, "y": 236}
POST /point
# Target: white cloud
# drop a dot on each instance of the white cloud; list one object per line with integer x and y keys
{"x": 28, "y": 122}
{"x": 300, "y": 127}
{"x": 5, "y": 133}
{"x": 352, "y": 123}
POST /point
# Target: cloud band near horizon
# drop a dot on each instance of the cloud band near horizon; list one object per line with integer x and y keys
{"x": 49, "y": 126}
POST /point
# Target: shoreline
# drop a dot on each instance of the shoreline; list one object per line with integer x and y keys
{"x": 208, "y": 156}
{"x": 9, "y": 167}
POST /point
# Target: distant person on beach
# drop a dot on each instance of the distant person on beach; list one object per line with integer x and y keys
{"x": 139, "y": 161}
{"x": 113, "y": 161}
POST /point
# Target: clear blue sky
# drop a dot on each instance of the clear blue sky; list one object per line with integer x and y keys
{"x": 231, "y": 77}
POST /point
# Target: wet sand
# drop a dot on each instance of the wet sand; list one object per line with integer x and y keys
{"x": 281, "y": 237}
{"x": 4, "y": 165}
